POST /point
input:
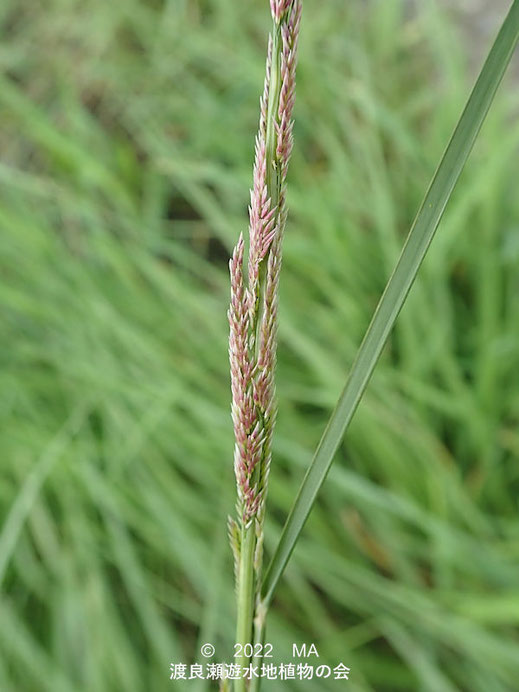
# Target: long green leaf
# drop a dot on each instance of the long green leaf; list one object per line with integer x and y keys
{"x": 396, "y": 291}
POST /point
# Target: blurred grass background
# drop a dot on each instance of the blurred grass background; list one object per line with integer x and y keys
{"x": 127, "y": 144}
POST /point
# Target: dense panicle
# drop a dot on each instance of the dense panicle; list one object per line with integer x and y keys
{"x": 254, "y": 297}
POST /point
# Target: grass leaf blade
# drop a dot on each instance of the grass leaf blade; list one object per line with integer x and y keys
{"x": 397, "y": 289}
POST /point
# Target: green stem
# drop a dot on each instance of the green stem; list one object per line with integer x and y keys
{"x": 259, "y": 641}
{"x": 246, "y": 597}
{"x": 272, "y": 115}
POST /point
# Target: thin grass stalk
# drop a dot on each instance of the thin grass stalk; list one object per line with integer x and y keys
{"x": 253, "y": 316}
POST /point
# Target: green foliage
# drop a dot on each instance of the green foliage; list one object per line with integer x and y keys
{"x": 127, "y": 150}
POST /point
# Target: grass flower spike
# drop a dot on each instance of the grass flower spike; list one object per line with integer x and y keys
{"x": 253, "y": 310}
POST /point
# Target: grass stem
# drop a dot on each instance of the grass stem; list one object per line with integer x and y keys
{"x": 246, "y": 597}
